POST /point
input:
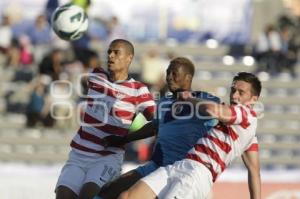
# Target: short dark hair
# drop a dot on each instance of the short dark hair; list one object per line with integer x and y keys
{"x": 127, "y": 44}
{"x": 251, "y": 79}
{"x": 185, "y": 63}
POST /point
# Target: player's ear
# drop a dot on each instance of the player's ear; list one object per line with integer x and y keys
{"x": 189, "y": 77}
{"x": 254, "y": 98}
{"x": 130, "y": 58}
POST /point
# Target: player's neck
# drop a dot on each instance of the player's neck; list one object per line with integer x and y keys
{"x": 117, "y": 76}
{"x": 177, "y": 91}
{"x": 184, "y": 88}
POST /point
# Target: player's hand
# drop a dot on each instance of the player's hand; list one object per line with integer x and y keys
{"x": 114, "y": 141}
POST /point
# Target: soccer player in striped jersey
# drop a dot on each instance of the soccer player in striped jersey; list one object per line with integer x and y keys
{"x": 113, "y": 100}
{"x": 233, "y": 136}
{"x": 173, "y": 138}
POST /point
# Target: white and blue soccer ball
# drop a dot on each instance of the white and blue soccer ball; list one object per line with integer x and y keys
{"x": 69, "y": 22}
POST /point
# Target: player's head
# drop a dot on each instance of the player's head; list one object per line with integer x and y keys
{"x": 245, "y": 89}
{"x": 119, "y": 55}
{"x": 180, "y": 74}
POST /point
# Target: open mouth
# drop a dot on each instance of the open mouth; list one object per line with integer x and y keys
{"x": 171, "y": 86}
{"x": 110, "y": 62}
{"x": 233, "y": 102}
{"x": 169, "y": 83}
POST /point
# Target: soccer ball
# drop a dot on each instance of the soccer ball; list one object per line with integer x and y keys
{"x": 69, "y": 22}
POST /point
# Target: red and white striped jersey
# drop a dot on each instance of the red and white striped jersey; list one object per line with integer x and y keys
{"x": 227, "y": 141}
{"x": 110, "y": 109}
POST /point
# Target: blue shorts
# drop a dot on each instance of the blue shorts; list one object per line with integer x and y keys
{"x": 147, "y": 168}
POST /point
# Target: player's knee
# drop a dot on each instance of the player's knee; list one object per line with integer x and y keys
{"x": 63, "y": 192}
{"x": 89, "y": 190}
{"x": 123, "y": 195}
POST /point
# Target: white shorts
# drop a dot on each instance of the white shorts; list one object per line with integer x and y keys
{"x": 186, "y": 179}
{"x": 80, "y": 169}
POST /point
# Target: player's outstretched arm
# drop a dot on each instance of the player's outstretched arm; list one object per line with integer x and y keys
{"x": 251, "y": 161}
{"x": 148, "y": 130}
{"x": 221, "y": 112}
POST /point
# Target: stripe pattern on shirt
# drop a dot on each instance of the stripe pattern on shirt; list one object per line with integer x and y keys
{"x": 224, "y": 142}
{"x": 109, "y": 110}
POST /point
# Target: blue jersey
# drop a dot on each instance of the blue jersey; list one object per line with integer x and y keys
{"x": 178, "y": 131}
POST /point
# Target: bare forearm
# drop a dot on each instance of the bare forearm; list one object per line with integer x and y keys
{"x": 251, "y": 161}
{"x": 148, "y": 130}
{"x": 202, "y": 105}
{"x": 211, "y": 109}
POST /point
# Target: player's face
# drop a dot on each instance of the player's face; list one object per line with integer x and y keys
{"x": 176, "y": 78}
{"x": 241, "y": 93}
{"x": 118, "y": 57}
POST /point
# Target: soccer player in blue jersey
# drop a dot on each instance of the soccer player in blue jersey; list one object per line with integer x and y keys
{"x": 234, "y": 136}
{"x": 177, "y": 129}
{"x": 176, "y": 126}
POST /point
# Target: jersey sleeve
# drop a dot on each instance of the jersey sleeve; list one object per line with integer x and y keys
{"x": 241, "y": 115}
{"x": 253, "y": 146}
{"x": 146, "y": 104}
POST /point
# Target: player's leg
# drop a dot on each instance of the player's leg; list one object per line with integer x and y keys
{"x": 151, "y": 186}
{"x": 100, "y": 172}
{"x": 72, "y": 176}
{"x": 63, "y": 192}
{"x": 89, "y": 190}
{"x": 113, "y": 189}
{"x": 69, "y": 182}
{"x": 138, "y": 191}
{"x": 189, "y": 180}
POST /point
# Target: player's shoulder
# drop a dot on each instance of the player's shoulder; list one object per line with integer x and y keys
{"x": 100, "y": 72}
{"x": 206, "y": 96}
{"x": 132, "y": 83}
{"x": 247, "y": 109}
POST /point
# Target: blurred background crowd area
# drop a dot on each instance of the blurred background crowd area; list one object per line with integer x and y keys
{"x": 42, "y": 77}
